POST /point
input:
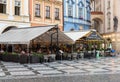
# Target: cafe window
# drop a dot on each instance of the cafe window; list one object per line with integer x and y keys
{"x": 2, "y": 6}
{"x": 17, "y": 7}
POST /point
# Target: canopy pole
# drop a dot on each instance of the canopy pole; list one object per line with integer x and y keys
{"x": 12, "y": 48}
{"x": 7, "y": 48}
{"x": 28, "y": 53}
{"x": 57, "y": 40}
{"x": 72, "y": 48}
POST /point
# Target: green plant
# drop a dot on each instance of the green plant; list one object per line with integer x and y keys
{"x": 5, "y": 53}
{"x": 38, "y": 54}
{"x": 13, "y": 53}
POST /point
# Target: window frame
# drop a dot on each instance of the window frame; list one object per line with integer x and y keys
{"x": 47, "y": 9}
{"x": 37, "y": 10}
{"x": 70, "y": 11}
{"x": 17, "y": 7}
{"x": 57, "y": 14}
{"x": 3, "y": 4}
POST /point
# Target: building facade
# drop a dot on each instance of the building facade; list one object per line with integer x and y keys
{"x": 76, "y": 15}
{"x": 46, "y": 12}
{"x": 110, "y": 24}
{"x": 13, "y": 13}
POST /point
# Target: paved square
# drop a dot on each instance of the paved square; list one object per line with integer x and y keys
{"x": 81, "y": 67}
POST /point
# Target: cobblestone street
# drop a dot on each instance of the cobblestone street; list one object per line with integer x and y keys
{"x": 105, "y": 65}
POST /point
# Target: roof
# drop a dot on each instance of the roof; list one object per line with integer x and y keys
{"x": 25, "y": 35}
{"x": 89, "y": 34}
{"x": 75, "y": 35}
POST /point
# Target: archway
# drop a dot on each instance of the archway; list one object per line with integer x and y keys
{"x": 97, "y": 24}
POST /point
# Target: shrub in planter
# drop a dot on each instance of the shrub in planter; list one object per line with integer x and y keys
{"x": 23, "y": 59}
{"x": 5, "y": 56}
{"x": 40, "y": 56}
{"x": 34, "y": 58}
{"x": 14, "y": 57}
{"x": 10, "y": 57}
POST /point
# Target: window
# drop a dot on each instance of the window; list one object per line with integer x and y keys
{"x": 2, "y": 6}
{"x": 47, "y": 12}
{"x": 70, "y": 11}
{"x": 80, "y": 13}
{"x": 17, "y": 7}
{"x": 57, "y": 13}
{"x": 108, "y": 20}
{"x": 108, "y": 4}
{"x": 37, "y": 10}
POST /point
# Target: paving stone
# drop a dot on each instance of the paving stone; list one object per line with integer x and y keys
{"x": 65, "y": 67}
{"x": 2, "y": 74}
{"x": 35, "y": 65}
{"x": 57, "y": 65}
{"x": 22, "y": 73}
{"x": 76, "y": 71}
{"x": 17, "y": 69}
{"x": 42, "y": 68}
{"x": 14, "y": 66}
{"x": 1, "y": 70}
{"x": 98, "y": 70}
{"x": 85, "y": 67}
{"x": 50, "y": 72}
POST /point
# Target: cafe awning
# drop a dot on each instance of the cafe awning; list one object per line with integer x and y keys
{"x": 38, "y": 34}
{"x": 87, "y": 34}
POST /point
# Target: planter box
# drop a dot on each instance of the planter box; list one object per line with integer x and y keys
{"x": 14, "y": 58}
{"x": 41, "y": 59}
{"x": 5, "y": 58}
{"x": 10, "y": 58}
{"x": 23, "y": 59}
{"x": 34, "y": 59}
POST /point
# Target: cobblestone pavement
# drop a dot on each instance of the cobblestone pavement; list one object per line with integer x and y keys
{"x": 109, "y": 65}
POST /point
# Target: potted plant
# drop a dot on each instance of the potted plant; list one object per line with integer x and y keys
{"x": 34, "y": 58}
{"x": 14, "y": 57}
{"x": 23, "y": 58}
{"x": 5, "y": 56}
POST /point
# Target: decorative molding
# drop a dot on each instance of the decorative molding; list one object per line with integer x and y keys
{"x": 70, "y": 1}
{"x": 80, "y": 4}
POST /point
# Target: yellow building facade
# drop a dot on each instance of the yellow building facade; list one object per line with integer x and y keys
{"x": 46, "y": 12}
{"x": 14, "y": 13}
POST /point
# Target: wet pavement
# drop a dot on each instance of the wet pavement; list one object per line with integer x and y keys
{"x": 83, "y": 67}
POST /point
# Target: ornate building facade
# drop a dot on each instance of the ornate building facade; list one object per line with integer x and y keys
{"x": 13, "y": 13}
{"x": 46, "y": 12}
{"x": 109, "y": 21}
{"x": 76, "y": 15}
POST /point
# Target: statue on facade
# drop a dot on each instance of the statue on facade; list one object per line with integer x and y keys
{"x": 115, "y": 23}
